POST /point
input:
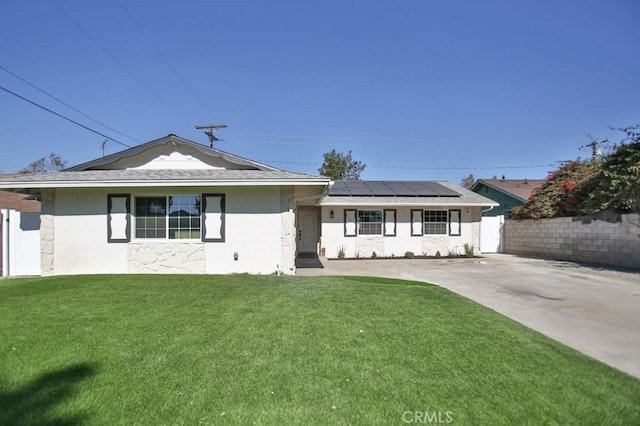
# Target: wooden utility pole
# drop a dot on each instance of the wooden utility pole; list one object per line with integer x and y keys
{"x": 211, "y": 128}
{"x": 594, "y": 147}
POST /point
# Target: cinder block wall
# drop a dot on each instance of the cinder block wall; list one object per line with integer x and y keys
{"x": 615, "y": 244}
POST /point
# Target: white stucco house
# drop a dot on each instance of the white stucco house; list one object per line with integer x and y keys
{"x": 175, "y": 206}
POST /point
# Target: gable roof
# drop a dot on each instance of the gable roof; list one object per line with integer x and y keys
{"x": 98, "y": 174}
{"x": 170, "y": 139}
{"x": 403, "y": 193}
{"x": 521, "y": 189}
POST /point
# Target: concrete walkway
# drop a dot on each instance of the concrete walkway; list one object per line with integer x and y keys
{"x": 593, "y": 310}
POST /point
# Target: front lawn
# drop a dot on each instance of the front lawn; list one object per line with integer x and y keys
{"x": 283, "y": 350}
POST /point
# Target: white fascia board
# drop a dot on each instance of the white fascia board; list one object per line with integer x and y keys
{"x": 158, "y": 183}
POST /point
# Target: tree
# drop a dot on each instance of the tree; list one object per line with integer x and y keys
{"x": 562, "y": 194}
{"x": 617, "y": 185}
{"x": 52, "y": 163}
{"x": 468, "y": 181}
{"x": 603, "y": 183}
{"x": 339, "y": 166}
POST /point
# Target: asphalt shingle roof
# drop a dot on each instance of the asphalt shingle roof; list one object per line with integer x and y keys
{"x": 166, "y": 176}
{"x": 18, "y": 202}
{"x": 519, "y": 188}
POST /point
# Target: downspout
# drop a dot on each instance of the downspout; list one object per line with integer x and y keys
{"x": 487, "y": 210}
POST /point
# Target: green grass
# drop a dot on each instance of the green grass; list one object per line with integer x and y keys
{"x": 283, "y": 350}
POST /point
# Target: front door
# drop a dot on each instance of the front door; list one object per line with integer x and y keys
{"x": 307, "y": 231}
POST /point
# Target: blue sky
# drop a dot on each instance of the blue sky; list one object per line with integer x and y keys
{"x": 415, "y": 89}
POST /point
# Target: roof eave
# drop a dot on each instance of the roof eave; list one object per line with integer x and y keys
{"x": 407, "y": 203}
{"x": 161, "y": 183}
{"x": 507, "y": 193}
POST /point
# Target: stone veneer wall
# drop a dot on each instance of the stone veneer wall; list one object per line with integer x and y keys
{"x": 595, "y": 241}
{"x": 176, "y": 258}
{"x": 47, "y": 216}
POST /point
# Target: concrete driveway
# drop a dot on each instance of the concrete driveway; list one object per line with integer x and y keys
{"x": 593, "y": 310}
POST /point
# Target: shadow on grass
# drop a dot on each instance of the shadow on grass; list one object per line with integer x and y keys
{"x": 34, "y": 403}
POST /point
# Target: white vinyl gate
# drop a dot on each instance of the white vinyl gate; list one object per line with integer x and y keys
{"x": 491, "y": 234}
{"x": 20, "y": 243}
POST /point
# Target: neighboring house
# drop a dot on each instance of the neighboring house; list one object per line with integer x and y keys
{"x": 176, "y": 206}
{"x": 508, "y": 192}
{"x": 19, "y": 202}
{"x": 19, "y": 234}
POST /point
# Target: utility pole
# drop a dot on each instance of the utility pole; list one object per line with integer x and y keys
{"x": 211, "y": 128}
{"x": 594, "y": 147}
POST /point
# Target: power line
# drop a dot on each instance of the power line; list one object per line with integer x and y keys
{"x": 67, "y": 105}
{"x": 166, "y": 61}
{"x": 65, "y": 118}
{"x": 324, "y": 144}
{"x": 326, "y": 137}
{"x": 140, "y": 82}
{"x": 424, "y": 167}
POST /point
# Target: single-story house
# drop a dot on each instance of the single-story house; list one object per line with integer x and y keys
{"x": 509, "y": 193}
{"x": 175, "y": 206}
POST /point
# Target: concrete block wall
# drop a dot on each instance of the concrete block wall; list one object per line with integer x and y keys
{"x": 614, "y": 244}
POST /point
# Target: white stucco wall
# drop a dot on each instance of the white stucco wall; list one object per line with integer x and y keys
{"x": 80, "y": 239}
{"x": 253, "y": 230}
{"x": 333, "y": 235}
{"x": 254, "y": 223}
{"x": 177, "y": 157}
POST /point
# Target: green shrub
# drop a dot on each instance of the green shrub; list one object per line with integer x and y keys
{"x": 468, "y": 250}
{"x": 374, "y": 255}
{"x": 438, "y": 255}
{"x": 341, "y": 252}
{"x": 409, "y": 255}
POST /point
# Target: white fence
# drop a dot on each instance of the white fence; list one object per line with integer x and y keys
{"x": 20, "y": 243}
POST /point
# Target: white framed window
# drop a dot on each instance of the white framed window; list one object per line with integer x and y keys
{"x": 173, "y": 217}
{"x": 369, "y": 222}
{"x": 435, "y": 222}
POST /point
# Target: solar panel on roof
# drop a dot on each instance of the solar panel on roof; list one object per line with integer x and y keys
{"x": 401, "y": 190}
{"x": 421, "y": 189}
{"x": 380, "y": 189}
{"x": 391, "y": 188}
{"x": 339, "y": 189}
{"x": 358, "y": 188}
{"x": 442, "y": 190}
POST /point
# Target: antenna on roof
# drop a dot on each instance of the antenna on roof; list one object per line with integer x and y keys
{"x": 102, "y": 146}
{"x": 211, "y": 128}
